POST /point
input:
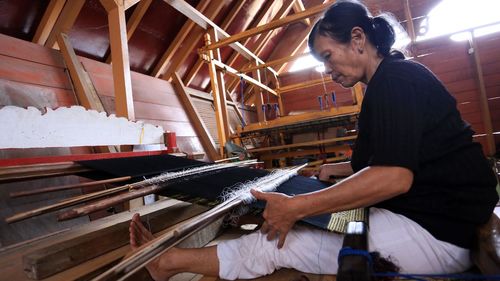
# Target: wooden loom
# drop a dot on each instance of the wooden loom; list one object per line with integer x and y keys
{"x": 70, "y": 252}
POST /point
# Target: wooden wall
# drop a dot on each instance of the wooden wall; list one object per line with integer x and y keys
{"x": 32, "y": 75}
{"x": 452, "y": 64}
{"x": 155, "y": 102}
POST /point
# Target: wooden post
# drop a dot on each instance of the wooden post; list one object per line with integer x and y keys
{"x": 357, "y": 94}
{"x": 219, "y": 113}
{"x": 483, "y": 98}
{"x": 281, "y": 105}
{"x": 258, "y": 96}
{"x": 85, "y": 91}
{"x": 409, "y": 21}
{"x": 134, "y": 20}
{"x": 198, "y": 125}
{"x": 124, "y": 105}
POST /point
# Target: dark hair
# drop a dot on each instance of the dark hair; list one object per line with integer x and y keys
{"x": 343, "y": 16}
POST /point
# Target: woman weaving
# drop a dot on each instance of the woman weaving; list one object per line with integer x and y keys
{"x": 428, "y": 185}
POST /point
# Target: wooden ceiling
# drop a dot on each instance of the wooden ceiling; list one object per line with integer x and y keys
{"x": 162, "y": 40}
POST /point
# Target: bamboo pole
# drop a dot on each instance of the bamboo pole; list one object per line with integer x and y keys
{"x": 158, "y": 246}
{"x": 65, "y": 187}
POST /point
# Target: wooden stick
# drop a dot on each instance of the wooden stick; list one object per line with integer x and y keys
{"x": 112, "y": 201}
{"x": 88, "y": 197}
{"x": 64, "y": 187}
{"x": 226, "y": 159}
{"x": 168, "y": 240}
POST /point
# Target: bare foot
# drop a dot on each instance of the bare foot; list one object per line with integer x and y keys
{"x": 139, "y": 236}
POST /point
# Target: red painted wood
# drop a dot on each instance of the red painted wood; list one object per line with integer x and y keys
{"x": 24, "y": 95}
{"x": 159, "y": 112}
{"x": 28, "y": 72}
{"x": 73, "y": 158}
{"x": 13, "y": 47}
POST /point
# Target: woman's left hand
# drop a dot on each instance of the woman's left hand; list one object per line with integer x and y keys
{"x": 279, "y": 215}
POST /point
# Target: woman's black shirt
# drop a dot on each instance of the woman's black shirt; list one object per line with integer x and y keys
{"x": 409, "y": 119}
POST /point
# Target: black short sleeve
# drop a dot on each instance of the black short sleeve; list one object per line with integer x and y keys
{"x": 395, "y": 124}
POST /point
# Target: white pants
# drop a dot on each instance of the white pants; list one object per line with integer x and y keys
{"x": 310, "y": 250}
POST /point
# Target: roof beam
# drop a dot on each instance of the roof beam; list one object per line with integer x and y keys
{"x": 65, "y": 21}
{"x": 124, "y": 102}
{"x": 48, "y": 20}
{"x": 191, "y": 43}
{"x": 205, "y": 23}
{"x": 271, "y": 25}
{"x": 299, "y": 46}
{"x": 298, "y": 6}
{"x": 227, "y": 21}
{"x": 134, "y": 20}
{"x": 179, "y": 38}
{"x": 200, "y": 128}
{"x": 261, "y": 41}
{"x": 229, "y": 70}
{"x": 275, "y": 62}
{"x": 264, "y": 39}
{"x": 84, "y": 89}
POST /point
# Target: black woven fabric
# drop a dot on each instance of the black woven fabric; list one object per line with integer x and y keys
{"x": 209, "y": 186}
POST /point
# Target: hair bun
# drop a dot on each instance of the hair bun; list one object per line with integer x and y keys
{"x": 384, "y": 34}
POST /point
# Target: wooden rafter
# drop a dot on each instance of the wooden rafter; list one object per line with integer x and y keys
{"x": 65, "y": 21}
{"x": 261, "y": 42}
{"x": 258, "y": 97}
{"x": 48, "y": 21}
{"x": 206, "y": 23}
{"x": 134, "y": 20}
{"x": 187, "y": 29}
{"x": 270, "y": 26}
{"x": 275, "y": 62}
{"x": 227, "y": 21}
{"x": 128, "y": 3}
{"x": 84, "y": 89}
{"x": 298, "y": 6}
{"x": 264, "y": 39}
{"x": 229, "y": 70}
{"x": 298, "y": 47}
{"x": 198, "y": 125}
{"x": 189, "y": 43}
{"x": 124, "y": 102}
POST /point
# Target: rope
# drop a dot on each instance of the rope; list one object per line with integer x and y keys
{"x": 348, "y": 251}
